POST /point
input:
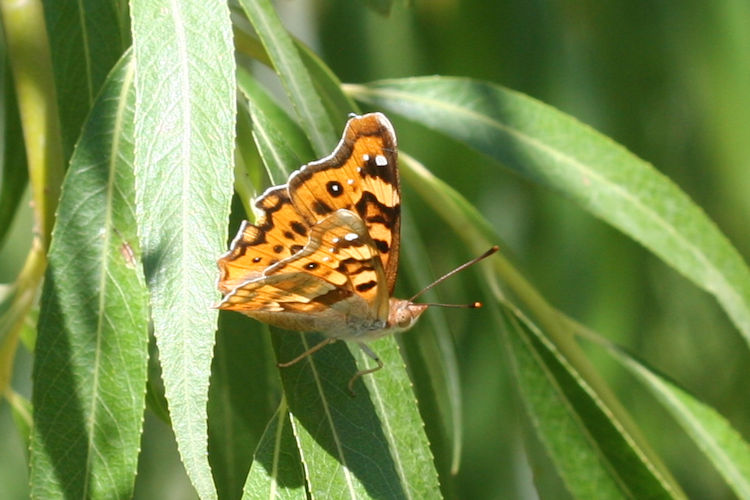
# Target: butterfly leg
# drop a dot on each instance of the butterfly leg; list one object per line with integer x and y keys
{"x": 305, "y": 354}
{"x": 374, "y": 356}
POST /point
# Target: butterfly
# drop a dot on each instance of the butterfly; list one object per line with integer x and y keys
{"x": 323, "y": 255}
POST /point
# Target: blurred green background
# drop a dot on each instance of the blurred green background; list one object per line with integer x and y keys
{"x": 668, "y": 80}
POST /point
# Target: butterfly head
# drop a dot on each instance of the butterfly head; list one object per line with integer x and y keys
{"x": 403, "y": 314}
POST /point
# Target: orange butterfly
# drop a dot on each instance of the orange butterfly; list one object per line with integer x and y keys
{"x": 324, "y": 255}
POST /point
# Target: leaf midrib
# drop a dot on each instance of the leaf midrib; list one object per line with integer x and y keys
{"x": 104, "y": 264}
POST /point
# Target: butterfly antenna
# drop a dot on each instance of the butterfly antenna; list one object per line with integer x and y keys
{"x": 451, "y": 273}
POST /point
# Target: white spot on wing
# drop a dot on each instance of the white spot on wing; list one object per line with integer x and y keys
{"x": 351, "y": 236}
{"x": 335, "y": 239}
{"x": 366, "y": 157}
{"x": 350, "y": 181}
{"x": 381, "y": 161}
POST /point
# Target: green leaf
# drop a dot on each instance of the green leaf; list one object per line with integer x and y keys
{"x": 593, "y": 454}
{"x": 91, "y": 352}
{"x": 82, "y": 55}
{"x": 277, "y": 137}
{"x": 718, "y": 440}
{"x": 277, "y": 470}
{"x": 557, "y": 151}
{"x": 340, "y": 438}
{"x": 293, "y": 74}
{"x": 185, "y": 102}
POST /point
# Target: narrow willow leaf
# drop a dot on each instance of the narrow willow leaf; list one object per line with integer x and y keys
{"x": 716, "y": 437}
{"x": 327, "y": 85}
{"x": 593, "y": 454}
{"x": 185, "y": 105}
{"x": 277, "y": 470}
{"x": 293, "y": 74}
{"x": 82, "y": 55}
{"x": 557, "y": 151}
{"x": 91, "y": 352}
{"x": 22, "y": 415}
{"x": 279, "y": 140}
{"x": 372, "y": 445}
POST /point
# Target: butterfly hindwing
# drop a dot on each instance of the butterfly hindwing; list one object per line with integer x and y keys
{"x": 339, "y": 269}
{"x": 361, "y": 176}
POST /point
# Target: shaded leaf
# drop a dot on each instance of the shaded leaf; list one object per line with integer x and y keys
{"x": 243, "y": 396}
{"x": 278, "y": 139}
{"x": 91, "y": 352}
{"x": 594, "y": 455}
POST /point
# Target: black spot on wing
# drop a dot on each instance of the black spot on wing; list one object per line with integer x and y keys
{"x": 321, "y": 208}
{"x": 388, "y": 216}
{"x": 298, "y": 228}
{"x": 363, "y": 287}
{"x": 382, "y": 246}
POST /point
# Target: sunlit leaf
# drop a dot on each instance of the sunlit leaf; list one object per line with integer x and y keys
{"x": 184, "y": 133}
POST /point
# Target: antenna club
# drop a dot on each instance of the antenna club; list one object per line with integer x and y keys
{"x": 475, "y": 305}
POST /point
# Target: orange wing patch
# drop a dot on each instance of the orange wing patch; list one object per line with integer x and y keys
{"x": 279, "y": 233}
{"x": 361, "y": 176}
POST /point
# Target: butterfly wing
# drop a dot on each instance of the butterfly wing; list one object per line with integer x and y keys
{"x": 279, "y": 233}
{"x": 335, "y": 284}
{"x": 361, "y": 176}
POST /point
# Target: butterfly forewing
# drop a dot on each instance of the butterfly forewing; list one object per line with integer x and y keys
{"x": 360, "y": 176}
{"x": 280, "y": 232}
